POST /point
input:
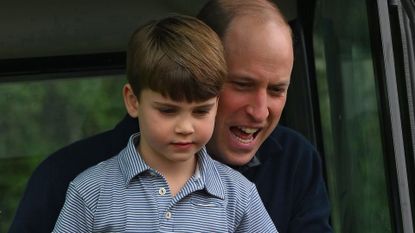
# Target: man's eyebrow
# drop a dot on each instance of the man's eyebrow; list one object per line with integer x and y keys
{"x": 278, "y": 87}
{"x": 243, "y": 78}
{"x": 281, "y": 84}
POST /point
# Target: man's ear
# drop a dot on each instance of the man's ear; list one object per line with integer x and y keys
{"x": 130, "y": 100}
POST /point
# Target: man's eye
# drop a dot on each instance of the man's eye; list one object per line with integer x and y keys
{"x": 241, "y": 85}
{"x": 278, "y": 91}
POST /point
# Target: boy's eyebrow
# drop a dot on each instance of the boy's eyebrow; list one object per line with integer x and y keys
{"x": 164, "y": 104}
{"x": 202, "y": 105}
{"x": 206, "y": 105}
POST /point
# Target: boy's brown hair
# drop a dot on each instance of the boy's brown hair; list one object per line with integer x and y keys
{"x": 179, "y": 57}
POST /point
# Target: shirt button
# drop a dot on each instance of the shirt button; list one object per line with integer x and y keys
{"x": 168, "y": 215}
{"x": 162, "y": 191}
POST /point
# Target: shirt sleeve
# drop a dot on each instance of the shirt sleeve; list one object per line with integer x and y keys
{"x": 255, "y": 218}
{"x": 75, "y": 215}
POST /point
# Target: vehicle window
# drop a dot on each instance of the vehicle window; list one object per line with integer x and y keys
{"x": 350, "y": 119}
{"x": 39, "y": 117}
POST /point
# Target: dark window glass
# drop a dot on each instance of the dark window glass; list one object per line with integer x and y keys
{"x": 350, "y": 118}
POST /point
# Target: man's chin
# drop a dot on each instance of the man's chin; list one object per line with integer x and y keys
{"x": 232, "y": 152}
{"x": 239, "y": 159}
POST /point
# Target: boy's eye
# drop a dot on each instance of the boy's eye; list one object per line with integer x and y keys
{"x": 201, "y": 111}
{"x": 167, "y": 110}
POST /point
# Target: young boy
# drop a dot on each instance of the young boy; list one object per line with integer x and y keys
{"x": 164, "y": 180}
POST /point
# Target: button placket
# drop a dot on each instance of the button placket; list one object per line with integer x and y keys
{"x": 168, "y": 215}
{"x": 162, "y": 191}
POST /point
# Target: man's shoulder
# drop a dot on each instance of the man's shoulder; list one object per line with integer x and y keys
{"x": 285, "y": 135}
{"x": 286, "y": 151}
{"x": 76, "y": 157}
{"x": 284, "y": 140}
{"x": 80, "y": 154}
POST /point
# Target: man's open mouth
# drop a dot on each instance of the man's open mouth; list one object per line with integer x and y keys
{"x": 244, "y": 134}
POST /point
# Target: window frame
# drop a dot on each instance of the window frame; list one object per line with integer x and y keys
{"x": 56, "y": 67}
{"x": 393, "y": 127}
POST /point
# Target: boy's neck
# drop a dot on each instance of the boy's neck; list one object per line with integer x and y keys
{"x": 178, "y": 176}
{"x": 175, "y": 173}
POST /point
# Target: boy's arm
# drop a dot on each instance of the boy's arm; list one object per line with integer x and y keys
{"x": 75, "y": 215}
{"x": 255, "y": 218}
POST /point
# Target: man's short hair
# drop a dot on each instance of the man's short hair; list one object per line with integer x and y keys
{"x": 219, "y": 14}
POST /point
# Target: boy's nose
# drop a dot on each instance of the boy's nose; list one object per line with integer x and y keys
{"x": 184, "y": 127}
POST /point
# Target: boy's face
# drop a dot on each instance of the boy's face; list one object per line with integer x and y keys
{"x": 172, "y": 132}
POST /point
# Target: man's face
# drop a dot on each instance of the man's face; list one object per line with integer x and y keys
{"x": 259, "y": 59}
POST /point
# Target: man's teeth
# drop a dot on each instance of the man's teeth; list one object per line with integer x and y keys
{"x": 244, "y": 135}
{"x": 247, "y": 130}
{"x": 245, "y": 141}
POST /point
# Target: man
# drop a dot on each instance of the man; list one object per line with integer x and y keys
{"x": 284, "y": 166}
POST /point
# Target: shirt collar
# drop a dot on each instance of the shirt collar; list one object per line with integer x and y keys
{"x": 210, "y": 175}
{"x": 270, "y": 144}
{"x": 254, "y": 162}
{"x": 131, "y": 165}
{"x": 130, "y": 162}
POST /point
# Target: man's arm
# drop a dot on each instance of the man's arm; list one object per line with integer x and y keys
{"x": 40, "y": 204}
{"x": 45, "y": 192}
{"x": 311, "y": 209}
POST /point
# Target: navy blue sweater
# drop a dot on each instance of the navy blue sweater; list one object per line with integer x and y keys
{"x": 288, "y": 178}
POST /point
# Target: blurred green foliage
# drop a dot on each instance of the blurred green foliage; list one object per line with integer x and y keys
{"x": 40, "y": 117}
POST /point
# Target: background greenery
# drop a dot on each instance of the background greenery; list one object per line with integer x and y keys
{"x": 42, "y": 116}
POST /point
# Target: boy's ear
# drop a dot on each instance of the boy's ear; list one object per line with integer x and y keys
{"x": 130, "y": 100}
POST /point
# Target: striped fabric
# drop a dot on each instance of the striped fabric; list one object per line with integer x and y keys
{"x": 123, "y": 194}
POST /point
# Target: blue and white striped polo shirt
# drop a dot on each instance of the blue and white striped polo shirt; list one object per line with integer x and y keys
{"x": 123, "y": 194}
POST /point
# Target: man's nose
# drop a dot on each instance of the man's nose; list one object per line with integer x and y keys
{"x": 258, "y": 108}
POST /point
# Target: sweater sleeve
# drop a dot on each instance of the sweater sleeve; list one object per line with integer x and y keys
{"x": 311, "y": 209}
